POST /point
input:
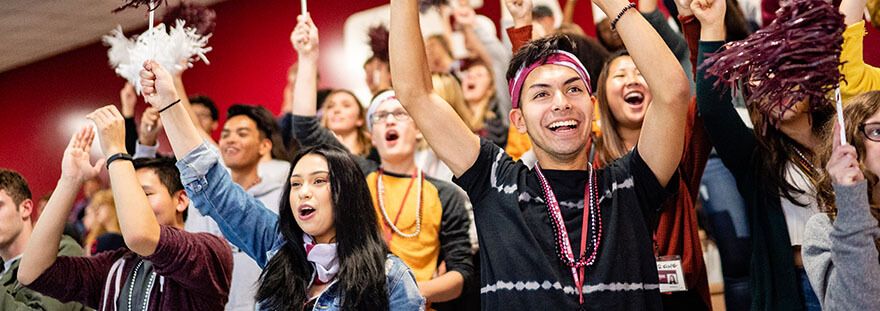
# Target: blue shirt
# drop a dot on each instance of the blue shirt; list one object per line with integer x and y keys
{"x": 246, "y": 223}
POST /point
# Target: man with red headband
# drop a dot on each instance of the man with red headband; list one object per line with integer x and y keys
{"x": 564, "y": 235}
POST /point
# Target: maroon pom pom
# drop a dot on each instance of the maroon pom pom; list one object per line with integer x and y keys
{"x": 152, "y": 4}
{"x": 379, "y": 42}
{"x": 424, "y": 5}
{"x": 794, "y": 58}
{"x": 200, "y": 17}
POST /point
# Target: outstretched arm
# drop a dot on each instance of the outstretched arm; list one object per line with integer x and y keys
{"x": 184, "y": 101}
{"x": 662, "y": 138}
{"x": 158, "y": 87}
{"x": 445, "y": 132}
{"x": 860, "y": 77}
{"x": 305, "y": 41}
{"x": 140, "y": 229}
{"x": 75, "y": 169}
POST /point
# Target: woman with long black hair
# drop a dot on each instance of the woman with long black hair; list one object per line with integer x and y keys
{"x": 325, "y": 249}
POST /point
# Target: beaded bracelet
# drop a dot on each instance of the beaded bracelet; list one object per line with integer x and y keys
{"x": 169, "y": 106}
{"x": 627, "y": 7}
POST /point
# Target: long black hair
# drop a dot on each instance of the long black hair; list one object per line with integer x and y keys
{"x": 361, "y": 251}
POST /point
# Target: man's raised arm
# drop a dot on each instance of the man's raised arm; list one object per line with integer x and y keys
{"x": 140, "y": 229}
{"x": 661, "y": 141}
{"x": 445, "y": 132}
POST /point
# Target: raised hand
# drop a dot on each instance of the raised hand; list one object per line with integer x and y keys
{"x": 521, "y": 10}
{"x": 709, "y": 12}
{"x": 465, "y": 15}
{"x": 75, "y": 165}
{"x": 150, "y": 126}
{"x": 684, "y": 7}
{"x": 127, "y": 99}
{"x": 843, "y": 166}
{"x": 305, "y": 37}
{"x": 158, "y": 85}
{"x": 111, "y": 129}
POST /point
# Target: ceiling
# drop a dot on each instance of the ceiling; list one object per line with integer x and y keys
{"x": 31, "y": 30}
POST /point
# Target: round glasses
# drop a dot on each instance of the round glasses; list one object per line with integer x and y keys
{"x": 871, "y": 131}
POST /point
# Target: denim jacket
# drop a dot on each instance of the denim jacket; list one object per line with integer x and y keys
{"x": 246, "y": 223}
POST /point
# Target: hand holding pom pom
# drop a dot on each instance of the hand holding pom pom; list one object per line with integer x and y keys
{"x": 158, "y": 85}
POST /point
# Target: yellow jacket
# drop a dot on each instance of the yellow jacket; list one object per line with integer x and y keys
{"x": 860, "y": 77}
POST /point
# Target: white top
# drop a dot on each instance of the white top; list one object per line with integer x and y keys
{"x": 8, "y": 264}
{"x": 796, "y": 216}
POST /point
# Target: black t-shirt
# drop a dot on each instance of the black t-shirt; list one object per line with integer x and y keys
{"x": 520, "y": 268}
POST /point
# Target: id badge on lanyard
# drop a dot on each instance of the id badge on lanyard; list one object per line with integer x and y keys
{"x": 671, "y": 274}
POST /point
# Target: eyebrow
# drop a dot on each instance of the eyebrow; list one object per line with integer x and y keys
{"x": 238, "y": 129}
{"x": 311, "y": 174}
{"x": 544, "y": 85}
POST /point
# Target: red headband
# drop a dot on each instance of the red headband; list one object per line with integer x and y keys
{"x": 558, "y": 57}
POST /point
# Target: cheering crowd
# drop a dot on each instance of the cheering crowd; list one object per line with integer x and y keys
{"x": 555, "y": 171}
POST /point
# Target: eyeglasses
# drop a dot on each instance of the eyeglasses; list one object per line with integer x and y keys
{"x": 382, "y": 115}
{"x": 871, "y": 131}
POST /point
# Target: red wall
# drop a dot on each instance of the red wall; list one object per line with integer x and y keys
{"x": 41, "y": 104}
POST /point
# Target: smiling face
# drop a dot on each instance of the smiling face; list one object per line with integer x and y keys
{"x": 342, "y": 113}
{"x": 311, "y": 199}
{"x": 477, "y": 84}
{"x": 395, "y": 140}
{"x": 241, "y": 144}
{"x": 627, "y": 93}
{"x": 555, "y": 110}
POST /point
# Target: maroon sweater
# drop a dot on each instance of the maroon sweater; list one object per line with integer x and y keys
{"x": 193, "y": 273}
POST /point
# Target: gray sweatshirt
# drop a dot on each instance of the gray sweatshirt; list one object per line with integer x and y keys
{"x": 841, "y": 259}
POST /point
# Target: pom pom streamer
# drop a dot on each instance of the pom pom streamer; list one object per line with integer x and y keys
{"x": 796, "y": 57}
{"x": 200, "y": 17}
{"x": 379, "y": 42}
{"x": 172, "y": 48}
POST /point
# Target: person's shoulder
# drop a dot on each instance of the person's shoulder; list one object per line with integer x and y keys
{"x": 819, "y": 226}
{"x": 445, "y": 187}
{"x": 69, "y": 247}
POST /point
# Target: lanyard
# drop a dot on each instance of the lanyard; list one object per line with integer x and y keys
{"x": 563, "y": 243}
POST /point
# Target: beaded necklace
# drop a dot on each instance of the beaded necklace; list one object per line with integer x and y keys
{"x": 563, "y": 244}
{"x": 149, "y": 287}
{"x": 805, "y": 164}
{"x": 381, "y": 189}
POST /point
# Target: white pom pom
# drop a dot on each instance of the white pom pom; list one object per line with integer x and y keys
{"x": 175, "y": 50}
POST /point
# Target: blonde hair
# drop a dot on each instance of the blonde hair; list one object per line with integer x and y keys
{"x": 448, "y": 88}
{"x": 101, "y": 200}
{"x": 363, "y": 136}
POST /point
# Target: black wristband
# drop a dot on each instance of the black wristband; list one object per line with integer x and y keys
{"x": 118, "y": 156}
{"x": 619, "y": 15}
{"x": 169, "y": 106}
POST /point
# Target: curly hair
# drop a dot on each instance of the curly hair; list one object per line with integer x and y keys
{"x": 857, "y": 110}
